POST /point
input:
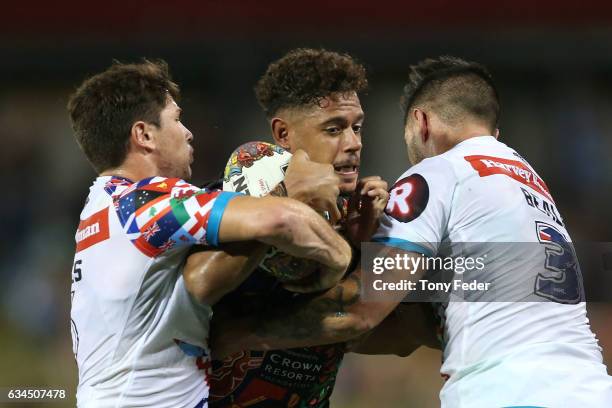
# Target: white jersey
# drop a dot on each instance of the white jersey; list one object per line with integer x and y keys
{"x": 535, "y": 348}
{"x": 138, "y": 338}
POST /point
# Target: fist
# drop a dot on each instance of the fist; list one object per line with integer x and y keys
{"x": 365, "y": 208}
{"x": 312, "y": 183}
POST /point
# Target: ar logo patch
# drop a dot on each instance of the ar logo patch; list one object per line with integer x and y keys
{"x": 408, "y": 198}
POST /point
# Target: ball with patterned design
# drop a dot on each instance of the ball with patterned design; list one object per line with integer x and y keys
{"x": 255, "y": 168}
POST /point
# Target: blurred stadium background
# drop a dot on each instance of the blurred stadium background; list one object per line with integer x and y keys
{"x": 552, "y": 61}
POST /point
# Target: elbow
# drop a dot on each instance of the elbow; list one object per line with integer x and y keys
{"x": 194, "y": 286}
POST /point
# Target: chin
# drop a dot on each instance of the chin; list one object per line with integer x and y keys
{"x": 348, "y": 188}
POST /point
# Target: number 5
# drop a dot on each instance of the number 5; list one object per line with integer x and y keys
{"x": 76, "y": 271}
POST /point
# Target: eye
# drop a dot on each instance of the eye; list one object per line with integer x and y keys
{"x": 357, "y": 128}
{"x": 333, "y": 130}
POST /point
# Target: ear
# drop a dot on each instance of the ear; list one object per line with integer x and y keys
{"x": 141, "y": 136}
{"x": 280, "y": 133}
{"x": 421, "y": 121}
{"x": 496, "y": 133}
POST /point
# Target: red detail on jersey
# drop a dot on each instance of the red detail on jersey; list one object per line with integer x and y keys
{"x": 184, "y": 194}
{"x": 231, "y": 374}
{"x": 146, "y": 248}
{"x": 169, "y": 244}
{"x": 260, "y": 390}
{"x": 150, "y": 231}
{"x": 203, "y": 363}
{"x": 202, "y": 220}
{"x": 92, "y": 230}
{"x": 164, "y": 186}
{"x": 206, "y": 197}
{"x": 544, "y": 236}
{"x": 517, "y": 170}
{"x": 408, "y": 198}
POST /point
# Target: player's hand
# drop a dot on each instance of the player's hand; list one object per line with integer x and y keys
{"x": 314, "y": 184}
{"x": 365, "y": 209}
{"x": 325, "y": 278}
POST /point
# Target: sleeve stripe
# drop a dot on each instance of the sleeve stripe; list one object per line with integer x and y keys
{"x": 403, "y": 244}
{"x": 216, "y": 213}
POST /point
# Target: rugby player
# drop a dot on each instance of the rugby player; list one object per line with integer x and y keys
{"x": 534, "y": 348}
{"x": 139, "y": 339}
{"x": 311, "y": 98}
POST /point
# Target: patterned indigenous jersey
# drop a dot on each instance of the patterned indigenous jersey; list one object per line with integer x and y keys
{"x": 138, "y": 338}
{"x": 300, "y": 377}
{"x": 536, "y": 347}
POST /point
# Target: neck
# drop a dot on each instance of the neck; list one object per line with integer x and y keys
{"x": 458, "y": 135}
{"x": 133, "y": 171}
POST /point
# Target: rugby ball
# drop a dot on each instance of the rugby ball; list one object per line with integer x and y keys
{"x": 255, "y": 168}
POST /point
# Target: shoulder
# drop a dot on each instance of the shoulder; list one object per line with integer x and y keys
{"x": 164, "y": 185}
{"x": 154, "y": 187}
{"x": 437, "y": 170}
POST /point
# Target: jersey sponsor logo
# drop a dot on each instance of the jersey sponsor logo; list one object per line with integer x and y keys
{"x": 305, "y": 375}
{"x": 92, "y": 230}
{"x": 408, "y": 198}
{"x": 516, "y": 170}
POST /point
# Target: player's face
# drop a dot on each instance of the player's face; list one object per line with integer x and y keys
{"x": 173, "y": 143}
{"x": 330, "y": 132}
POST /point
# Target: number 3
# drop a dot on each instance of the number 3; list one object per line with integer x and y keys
{"x": 562, "y": 282}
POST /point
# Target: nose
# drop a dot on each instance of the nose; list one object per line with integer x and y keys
{"x": 352, "y": 142}
{"x": 189, "y": 136}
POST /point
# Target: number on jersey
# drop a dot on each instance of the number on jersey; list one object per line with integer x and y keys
{"x": 562, "y": 281}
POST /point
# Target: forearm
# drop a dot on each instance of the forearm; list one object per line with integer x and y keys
{"x": 338, "y": 315}
{"x": 291, "y": 226}
{"x": 305, "y": 234}
{"x": 335, "y": 316}
{"x": 212, "y": 273}
{"x": 408, "y": 327}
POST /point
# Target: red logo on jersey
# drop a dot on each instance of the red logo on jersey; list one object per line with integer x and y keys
{"x": 408, "y": 198}
{"x": 92, "y": 230}
{"x": 517, "y": 170}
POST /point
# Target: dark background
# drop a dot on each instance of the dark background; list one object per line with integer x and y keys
{"x": 553, "y": 64}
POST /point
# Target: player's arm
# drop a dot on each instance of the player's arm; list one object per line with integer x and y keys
{"x": 408, "y": 327}
{"x": 413, "y": 224}
{"x": 338, "y": 315}
{"x": 209, "y": 274}
{"x": 212, "y": 273}
{"x": 287, "y": 224}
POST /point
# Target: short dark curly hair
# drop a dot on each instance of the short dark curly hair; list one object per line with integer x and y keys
{"x": 453, "y": 88}
{"x": 305, "y": 75}
{"x": 105, "y": 106}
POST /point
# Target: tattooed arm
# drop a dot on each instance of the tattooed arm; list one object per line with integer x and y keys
{"x": 337, "y": 315}
{"x": 408, "y": 327}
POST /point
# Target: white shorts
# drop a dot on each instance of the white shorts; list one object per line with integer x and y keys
{"x": 528, "y": 379}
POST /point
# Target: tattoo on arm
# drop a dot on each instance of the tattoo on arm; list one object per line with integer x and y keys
{"x": 305, "y": 319}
